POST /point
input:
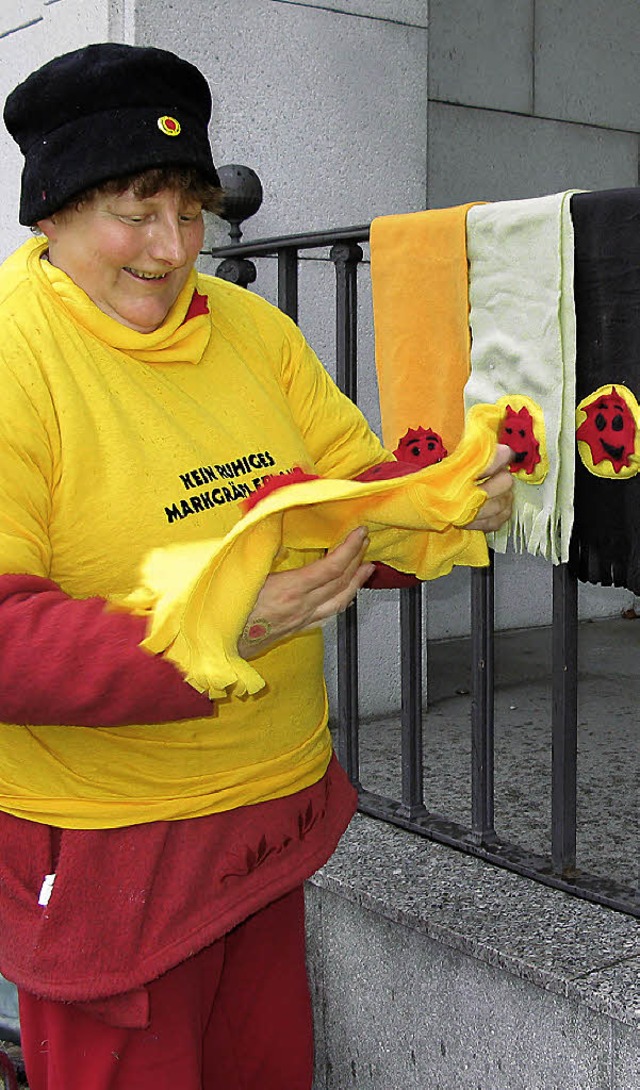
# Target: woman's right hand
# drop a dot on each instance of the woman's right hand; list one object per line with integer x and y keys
{"x": 296, "y": 600}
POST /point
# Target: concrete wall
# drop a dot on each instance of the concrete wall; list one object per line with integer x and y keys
{"x": 430, "y": 968}
{"x": 531, "y": 97}
{"x": 396, "y": 1009}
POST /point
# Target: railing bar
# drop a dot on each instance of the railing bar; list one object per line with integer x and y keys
{"x": 346, "y": 257}
{"x": 302, "y": 257}
{"x": 348, "y": 705}
{"x": 482, "y": 702}
{"x": 411, "y": 699}
{"x": 564, "y": 726}
{"x": 288, "y": 282}
{"x": 309, "y": 240}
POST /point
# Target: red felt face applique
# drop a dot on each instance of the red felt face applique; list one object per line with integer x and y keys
{"x": 610, "y": 428}
{"x": 423, "y": 447}
{"x": 517, "y": 432}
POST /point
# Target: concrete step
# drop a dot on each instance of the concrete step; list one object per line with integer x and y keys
{"x": 433, "y": 969}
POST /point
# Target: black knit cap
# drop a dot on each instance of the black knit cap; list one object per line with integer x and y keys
{"x": 103, "y": 112}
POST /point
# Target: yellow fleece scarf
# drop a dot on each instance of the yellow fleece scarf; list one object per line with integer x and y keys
{"x": 420, "y": 305}
{"x": 184, "y": 586}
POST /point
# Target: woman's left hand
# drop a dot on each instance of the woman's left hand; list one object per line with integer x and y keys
{"x": 497, "y": 482}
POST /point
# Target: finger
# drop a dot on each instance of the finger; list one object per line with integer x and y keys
{"x": 293, "y": 599}
{"x": 492, "y": 515}
{"x": 338, "y": 589}
{"x": 353, "y": 545}
{"x": 501, "y": 501}
{"x": 339, "y": 562}
{"x": 339, "y": 602}
{"x": 337, "y": 593}
{"x": 502, "y": 457}
{"x": 501, "y": 483}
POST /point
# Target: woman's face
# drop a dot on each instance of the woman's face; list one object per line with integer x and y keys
{"x": 131, "y": 256}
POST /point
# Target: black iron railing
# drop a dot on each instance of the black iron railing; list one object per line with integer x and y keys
{"x": 558, "y": 869}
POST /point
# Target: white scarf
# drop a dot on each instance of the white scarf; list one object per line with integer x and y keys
{"x": 523, "y": 332}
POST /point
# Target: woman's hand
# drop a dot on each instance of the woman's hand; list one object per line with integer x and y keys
{"x": 497, "y": 482}
{"x": 293, "y": 601}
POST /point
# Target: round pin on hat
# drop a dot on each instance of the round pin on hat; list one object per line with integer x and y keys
{"x": 170, "y": 126}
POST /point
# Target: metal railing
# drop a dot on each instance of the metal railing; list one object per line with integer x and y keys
{"x": 479, "y": 838}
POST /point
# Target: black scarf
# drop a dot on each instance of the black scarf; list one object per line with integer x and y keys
{"x": 605, "y": 545}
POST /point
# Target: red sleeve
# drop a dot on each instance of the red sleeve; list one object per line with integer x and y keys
{"x": 384, "y": 577}
{"x": 67, "y": 660}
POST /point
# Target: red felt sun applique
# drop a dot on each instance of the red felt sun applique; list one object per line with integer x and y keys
{"x": 518, "y": 433}
{"x": 607, "y": 432}
{"x": 421, "y": 446}
{"x": 523, "y": 430}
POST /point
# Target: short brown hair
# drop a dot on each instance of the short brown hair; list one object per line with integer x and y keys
{"x": 149, "y": 182}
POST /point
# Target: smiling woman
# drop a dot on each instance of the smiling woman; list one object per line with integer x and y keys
{"x": 153, "y": 842}
{"x": 152, "y": 861}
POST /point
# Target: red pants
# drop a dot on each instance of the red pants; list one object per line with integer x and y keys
{"x": 236, "y": 1016}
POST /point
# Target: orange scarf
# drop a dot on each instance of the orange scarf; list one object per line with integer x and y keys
{"x": 420, "y": 303}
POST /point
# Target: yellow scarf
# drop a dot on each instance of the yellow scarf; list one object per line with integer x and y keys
{"x": 184, "y": 586}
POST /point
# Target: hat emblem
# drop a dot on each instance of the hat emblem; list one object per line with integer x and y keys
{"x": 170, "y": 126}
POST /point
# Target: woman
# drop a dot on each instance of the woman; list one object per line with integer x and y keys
{"x": 154, "y": 843}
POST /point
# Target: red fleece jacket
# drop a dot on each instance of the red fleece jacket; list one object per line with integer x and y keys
{"x": 67, "y": 660}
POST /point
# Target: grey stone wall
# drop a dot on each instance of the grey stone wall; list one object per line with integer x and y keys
{"x": 399, "y": 1011}
{"x": 31, "y": 32}
{"x": 531, "y": 97}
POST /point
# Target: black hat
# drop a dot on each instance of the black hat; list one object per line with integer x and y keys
{"x": 102, "y": 112}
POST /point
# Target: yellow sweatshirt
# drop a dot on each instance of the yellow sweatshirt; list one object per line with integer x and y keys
{"x": 114, "y": 443}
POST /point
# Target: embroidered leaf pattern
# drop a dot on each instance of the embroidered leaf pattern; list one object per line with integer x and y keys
{"x": 253, "y": 856}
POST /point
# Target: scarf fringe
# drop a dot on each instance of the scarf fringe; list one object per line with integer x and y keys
{"x": 542, "y": 533}
{"x": 594, "y": 562}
